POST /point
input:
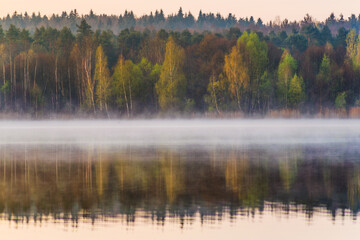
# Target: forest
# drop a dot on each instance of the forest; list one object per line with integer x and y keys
{"x": 127, "y": 66}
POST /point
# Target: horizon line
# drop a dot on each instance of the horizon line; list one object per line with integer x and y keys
{"x": 166, "y": 15}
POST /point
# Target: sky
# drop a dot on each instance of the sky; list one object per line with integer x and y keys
{"x": 266, "y": 9}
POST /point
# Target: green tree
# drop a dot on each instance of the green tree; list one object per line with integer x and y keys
{"x": 286, "y": 71}
{"x": 126, "y": 83}
{"x": 151, "y": 74}
{"x": 255, "y": 57}
{"x": 12, "y": 45}
{"x": 237, "y": 74}
{"x": 323, "y": 79}
{"x": 2, "y": 34}
{"x": 353, "y": 48}
{"x": 266, "y": 91}
{"x": 37, "y": 98}
{"x": 3, "y": 58}
{"x": 340, "y": 101}
{"x": 102, "y": 79}
{"x": 65, "y": 44}
{"x": 86, "y": 45}
{"x": 296, "y": 92}
{"x": 172, "y": 83}
{"x": 217, "y": 91}
{"x": 83, "y": 30}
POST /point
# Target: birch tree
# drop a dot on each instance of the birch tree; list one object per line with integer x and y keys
{"x": 171, "y": 86}
{"x": 237, "y": 74}
{"x": 286, "y": 71}
{"x": 102, "y": 80}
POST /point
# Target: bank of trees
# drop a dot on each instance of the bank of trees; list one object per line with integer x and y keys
{"x": 182, "y": 20}
{"x": 137, "y": 72}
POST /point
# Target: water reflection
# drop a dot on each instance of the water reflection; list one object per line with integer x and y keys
{"x": 72, "y": 184}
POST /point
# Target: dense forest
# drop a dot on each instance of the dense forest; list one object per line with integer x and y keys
{"x": 98, "y": 64}
{"x": 175, "y": 22}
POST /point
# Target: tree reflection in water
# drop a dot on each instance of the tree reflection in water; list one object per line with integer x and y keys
{"x": 71, "y": 183}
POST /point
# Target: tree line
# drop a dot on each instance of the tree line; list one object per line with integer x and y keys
{"x": 152, "y": 71}
{"x": 179, "y": 21}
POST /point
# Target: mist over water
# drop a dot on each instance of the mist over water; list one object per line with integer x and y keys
{"x": 199, "y": 178}
{"x": 181, "y": 132}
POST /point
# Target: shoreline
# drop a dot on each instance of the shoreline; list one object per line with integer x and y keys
{"x": 351, "y": 113}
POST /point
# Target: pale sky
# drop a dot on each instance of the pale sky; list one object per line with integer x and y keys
{"x": 266, "y": 9}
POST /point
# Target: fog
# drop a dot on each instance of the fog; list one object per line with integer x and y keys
{"x": 181, "y": 132}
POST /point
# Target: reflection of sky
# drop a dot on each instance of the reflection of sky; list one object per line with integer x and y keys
{"x": 266, "y": 226}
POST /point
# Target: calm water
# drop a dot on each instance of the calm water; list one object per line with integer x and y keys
{"x": 193, "y": 179}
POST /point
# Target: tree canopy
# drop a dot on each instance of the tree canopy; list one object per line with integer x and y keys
{"x": 133, "y": 71}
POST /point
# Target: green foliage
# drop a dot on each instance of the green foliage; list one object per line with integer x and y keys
{"x": 189, "y": 106}
{"x": 340, "y": 101}
{"x": 325, "y": 68}
{"x": 170, "y": 71}
{"x": 237, "y": 75}
{"x": 353, "y": 48}
{"x": 312, "y": 34}
{"x": 102, "y": 79}
{"x": 217, "y": 93}
{"x": 266, "y": 91}
{"x": 341, "y": 37}
{"x": 357, "y": 102}
{"x": 3, "y": 55}
{"x": 297, "y": 42}
{"x": 253, "y": 53}
{"x": 127, "y": 79}
{"x": 129, "y": 43}
{"x": 2, "y": 34}
{"x": 172, "y": 83}
{"x": 65, "y": 41}
{"x": 5, "y": 88}
{"x": 12, "y": 34}
{"x": 296, "y": 91}
{"x": 37, "y": 97}
{"x": 83, "y": 30}
{"x": 150, "y": 74}
{"x": 323, "y": 79}
{"x": 286, "y": 71}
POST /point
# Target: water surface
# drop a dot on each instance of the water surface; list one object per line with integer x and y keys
{"x": 180, "y": 179}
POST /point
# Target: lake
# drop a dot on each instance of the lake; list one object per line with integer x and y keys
{"x": 180, "y": 179}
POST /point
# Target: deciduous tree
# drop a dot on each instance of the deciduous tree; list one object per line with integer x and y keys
{"x": 286, "y": 71}
{"x": 172, "y": 83}
{"x": 296, "y": 91}
{"x": 237, "y": 74}
{"x": 102, "y": 79}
